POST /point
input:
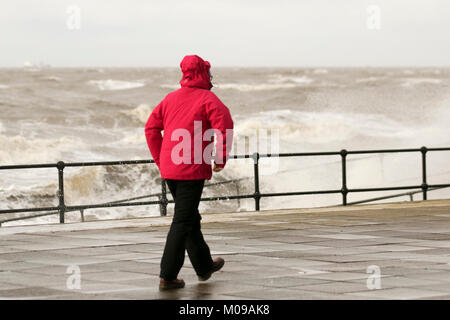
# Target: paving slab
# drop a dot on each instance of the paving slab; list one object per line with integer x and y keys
{"x": 95, "y": 287}
{"x": 437, "y": 286}
{"x": 113, "y": 276}
{"x": 335, "y": 287}
{"x": 438, "y": 275}
{"x": 284, "y": 281}
{"x": 406, "y": 282}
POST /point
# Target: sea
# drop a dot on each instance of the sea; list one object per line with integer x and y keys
{"x": 98, "y": 114}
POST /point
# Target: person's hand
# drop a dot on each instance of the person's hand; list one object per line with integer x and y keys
{"x": 216, "y": 168}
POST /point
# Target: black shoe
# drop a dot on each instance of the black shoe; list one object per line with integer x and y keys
{"x": 217, "y": 265}
{"x": 172, "y": 284}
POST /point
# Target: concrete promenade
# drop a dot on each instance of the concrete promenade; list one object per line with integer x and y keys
{"x": 327, "y": 253}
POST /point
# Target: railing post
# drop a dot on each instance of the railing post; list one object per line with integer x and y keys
{"x": 238, "y": 193}
{"x": 344, "y": 189}
{"x": 256, "y": 195}
{"x": 424, "y": 150}
{"x": 163, "y": 199}
{"x": 62, "y": 207}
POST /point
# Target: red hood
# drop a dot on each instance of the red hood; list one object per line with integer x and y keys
{"x": 195, "y": 72}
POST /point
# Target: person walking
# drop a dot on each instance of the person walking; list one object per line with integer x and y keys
{"x": 189, "y": 118}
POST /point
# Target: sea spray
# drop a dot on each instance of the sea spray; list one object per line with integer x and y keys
{"x": 110, "y": 85}
{"x": 92, "y": 114}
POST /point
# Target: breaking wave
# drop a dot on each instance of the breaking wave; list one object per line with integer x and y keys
{"x": 411, "y": 82}
{"x": 276, "y": 81}
{"x": 369, "y": 80}
{"x": 52, "y": 78}
{"x": 21, "y": 150}
{"x": 111, "y": 85}
{"x": 320, "y": 71}
{"x": 319, "y": 127}
{"x": 98, "y": 125}
{"x": 140, "y": 113}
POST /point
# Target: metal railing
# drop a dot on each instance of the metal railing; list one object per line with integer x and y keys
{"x": 162, "y": 201}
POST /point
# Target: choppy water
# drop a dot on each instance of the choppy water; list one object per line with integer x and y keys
{"x": 96, "y": 114}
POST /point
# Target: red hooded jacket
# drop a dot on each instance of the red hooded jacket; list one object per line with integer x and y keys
{"x": 188, "y": 117}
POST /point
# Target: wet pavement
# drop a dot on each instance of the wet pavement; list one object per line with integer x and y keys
{"x": 385, "y": 251}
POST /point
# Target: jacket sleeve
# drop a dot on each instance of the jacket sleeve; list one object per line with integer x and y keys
{"x": 153, "y": 134}
{"x": 220, "y": 119}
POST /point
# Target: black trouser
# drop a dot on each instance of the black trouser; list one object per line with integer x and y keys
{"x": 185, "y": 233}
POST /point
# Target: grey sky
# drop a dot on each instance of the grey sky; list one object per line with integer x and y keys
{"x": 227, "y": 33}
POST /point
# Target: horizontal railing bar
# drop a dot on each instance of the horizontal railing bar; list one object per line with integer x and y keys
{"x": 382, "y": 151}
{"x": 76, "y": 164}
{"x": 384, "y": 189}
{"x": 438, "y": 149}
{"x": 224, "y": 182}
{"x": 436, "y": 186}
{"x": 379, "y": 198}
{"x": 107, "y": 163}
{"x": 240, "y": 156}
{"x": 111, "y": 205}
{"x": 247, "y": 196}
{"x": 28, "y": 210}
{"x": 303, "y": 154}
{"x": 242, "y": 196}
{"x": 29, "y": 217}
{"x": 299, "y": 193}
{"x": 29, "y": 166}
{"x": 394, "y": 196}
{"x": 134, "y": 198}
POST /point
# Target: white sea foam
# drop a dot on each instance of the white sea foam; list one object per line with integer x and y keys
{"x": 140, "y": 113}
{"x": 319, "y": 127}
{"x": 409, "y": 72}
{"x": 368, "y": 79}
{"x": 18, "y": 149}
{"x": 98, "y": 184}
{"x": 52, "y": 78}
{"x": 411, "y": 82}
{"x": 313, "y": 129}
{"x": 110, "y": 85}
{"x": 301, "y": 80}
{"x": 245, "y": 87}
{"x": 134, "y": 139}
{"x": 320, "y": 71}
{"x": 275, "y": 81}
{"x": 278, "y": 78}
